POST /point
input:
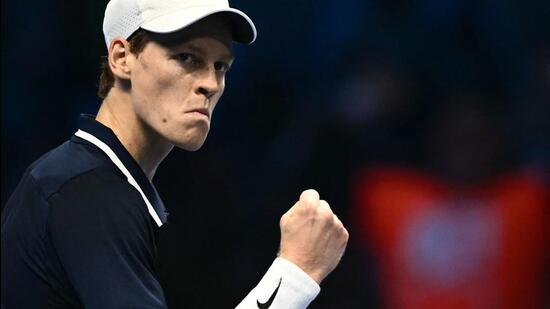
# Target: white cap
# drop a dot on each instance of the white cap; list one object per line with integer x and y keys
{"x": 124, "y": 17}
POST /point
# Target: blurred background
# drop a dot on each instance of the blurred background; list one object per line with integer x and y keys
{"x": 425, "y": 124}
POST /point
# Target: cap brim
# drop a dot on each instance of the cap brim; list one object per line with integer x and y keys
{"x": 242, "y": 27}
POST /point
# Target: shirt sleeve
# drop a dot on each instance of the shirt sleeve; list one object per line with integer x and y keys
{"x": 284, "y": 286}
{"x": 105, "y": 242}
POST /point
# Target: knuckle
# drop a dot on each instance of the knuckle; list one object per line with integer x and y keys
{"x": 325, "y": 210}
{"x": 327, "y": 216}
{"x": 345, "y": 234}
{"x": 284, "y": 219}
{"x": 324, "y": 206}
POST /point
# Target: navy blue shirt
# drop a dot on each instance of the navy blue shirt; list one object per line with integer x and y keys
{"x": 79, "y": 231}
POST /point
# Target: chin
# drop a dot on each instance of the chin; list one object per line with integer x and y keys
{"x": 190, "y": 145}
{"x": 187, "y": 147}
{"x": 189, "y": 139}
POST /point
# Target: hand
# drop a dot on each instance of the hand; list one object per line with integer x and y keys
{"x": 312, "y": 237}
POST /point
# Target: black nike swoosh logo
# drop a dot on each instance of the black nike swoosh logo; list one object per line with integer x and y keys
{"x": 270, "y": 300}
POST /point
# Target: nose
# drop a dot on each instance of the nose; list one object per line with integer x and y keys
{"x": 209, "y": 83}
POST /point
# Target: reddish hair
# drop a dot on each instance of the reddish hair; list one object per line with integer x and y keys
{"x": 137, "y": 42}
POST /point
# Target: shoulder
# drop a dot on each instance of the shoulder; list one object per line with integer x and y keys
{"x": 97, "y": 194}
{"x": 78, "y": 180}
{"x": 99, "y": 207}
{"x": 66, "y": 163}
{"x": 49, "y": 174}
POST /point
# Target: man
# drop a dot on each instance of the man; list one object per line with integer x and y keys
{"x": 81, "y": 228}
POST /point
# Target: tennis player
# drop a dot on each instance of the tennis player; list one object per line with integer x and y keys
{"x": 81, "y": 228}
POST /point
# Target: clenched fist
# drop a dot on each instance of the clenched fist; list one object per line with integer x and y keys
{"x": 312, "y": 237}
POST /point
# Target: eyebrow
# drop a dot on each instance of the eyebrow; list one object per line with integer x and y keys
{"x": 196, "y": 49}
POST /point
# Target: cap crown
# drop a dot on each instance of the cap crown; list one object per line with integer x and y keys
{"x": 124, "y": 17}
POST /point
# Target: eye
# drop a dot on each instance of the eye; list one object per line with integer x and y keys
{"x": 190, "y": 61}
{"x": 185, "y": 57}
{"x": 221, "y": 67}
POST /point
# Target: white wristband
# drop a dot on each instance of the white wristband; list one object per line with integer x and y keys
{"x": 284, "y": 286}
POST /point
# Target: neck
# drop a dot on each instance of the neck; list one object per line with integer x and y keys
{"x": 141, "y": 141}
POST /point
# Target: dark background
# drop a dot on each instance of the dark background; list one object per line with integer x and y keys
{"x": 328, "y": 88}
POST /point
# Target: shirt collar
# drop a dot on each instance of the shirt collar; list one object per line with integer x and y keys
{"x": 105, "y": 135}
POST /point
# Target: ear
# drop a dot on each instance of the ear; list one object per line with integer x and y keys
{"x": 120, "y": 58}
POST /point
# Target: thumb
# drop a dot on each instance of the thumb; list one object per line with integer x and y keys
{"x": 310, "y": 195}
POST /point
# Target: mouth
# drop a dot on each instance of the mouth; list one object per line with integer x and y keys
{"x": 202, "y": 111}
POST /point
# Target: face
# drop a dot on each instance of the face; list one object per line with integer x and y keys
{"x": 177, "y": 80}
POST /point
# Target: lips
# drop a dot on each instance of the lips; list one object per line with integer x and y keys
{"x": 203, "y": 111}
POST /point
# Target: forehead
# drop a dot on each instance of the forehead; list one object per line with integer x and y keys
{"x": 215, "y": 27}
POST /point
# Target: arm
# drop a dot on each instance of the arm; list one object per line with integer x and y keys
{"x": 313, "y": 241}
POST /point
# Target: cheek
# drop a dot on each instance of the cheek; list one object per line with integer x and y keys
{"x": 152, "y": 82}
{"x": 158, "y": 92}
